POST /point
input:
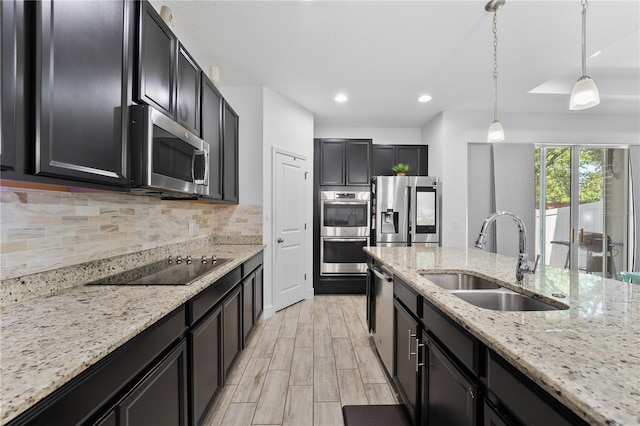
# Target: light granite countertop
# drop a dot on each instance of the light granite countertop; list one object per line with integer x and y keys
{"x": 587, "y": 356}
{"x": 48, "y": 340}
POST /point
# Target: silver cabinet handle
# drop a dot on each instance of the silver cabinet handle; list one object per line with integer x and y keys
{"x": 418, "y": 346}
{"x": 280, "y": 240}
{"x": 411, "y": 336}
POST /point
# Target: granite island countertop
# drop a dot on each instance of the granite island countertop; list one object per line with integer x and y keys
{"x": 46, "y": 341}
{"x": 587, "y": 356}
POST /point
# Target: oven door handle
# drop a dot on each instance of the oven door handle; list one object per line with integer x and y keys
{"x": 344, "y": 240}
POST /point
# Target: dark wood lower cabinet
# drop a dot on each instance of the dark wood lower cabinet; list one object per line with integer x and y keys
{"x": 248, "y": 300}
{"x": 232, "y": 329}
{"x": 492, "y": 417}
{"x": 524, "y": 401}
{"x": 205, "y": 342}
{"x": 451, "y": 397}
{"x": 406, "y": 364}
{"x": 258, "y": 302}
{"x": 161, "y": 396}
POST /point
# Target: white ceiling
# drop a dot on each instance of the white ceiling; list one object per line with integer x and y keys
{"x": 384, "y": 54}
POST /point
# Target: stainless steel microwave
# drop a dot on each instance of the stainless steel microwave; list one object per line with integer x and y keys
{"x": 165, "y": 157}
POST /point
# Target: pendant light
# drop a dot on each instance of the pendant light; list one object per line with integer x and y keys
{"x": 496, "y": 132}
{"x": 585, "y": 92}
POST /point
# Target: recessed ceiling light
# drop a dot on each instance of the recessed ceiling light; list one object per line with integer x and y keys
{"x": 424, "y": 98}
{"x": 341, "y": 98}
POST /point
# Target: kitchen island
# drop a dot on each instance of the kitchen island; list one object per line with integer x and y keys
{"x": 586, "y": 356}
{"x": 49, "y": 340}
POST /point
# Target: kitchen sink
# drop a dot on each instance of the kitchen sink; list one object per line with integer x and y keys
{"x": 461, "y": 281}
{"x": 503, "y": 300}
{"x": 486, "y": 294}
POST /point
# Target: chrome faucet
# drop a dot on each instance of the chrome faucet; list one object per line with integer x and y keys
{"x": 523, "y": 266}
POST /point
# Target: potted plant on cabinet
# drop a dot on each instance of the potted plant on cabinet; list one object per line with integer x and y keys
{"x": 400, "y": 169}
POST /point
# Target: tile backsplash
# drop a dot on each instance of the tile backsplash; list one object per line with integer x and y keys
{"x": 45, "y": 230}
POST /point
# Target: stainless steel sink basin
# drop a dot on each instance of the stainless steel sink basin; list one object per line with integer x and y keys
{"x": 460, "y": 282}
{"x": 503, "y": 300}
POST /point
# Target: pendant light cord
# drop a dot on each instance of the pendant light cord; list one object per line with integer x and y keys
{"x": 585, "y": 5}
{"x": 495, "y": 64}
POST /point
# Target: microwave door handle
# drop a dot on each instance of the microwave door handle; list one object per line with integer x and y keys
{"x": 197, "y": 153}
{"x": 193, "y": 166}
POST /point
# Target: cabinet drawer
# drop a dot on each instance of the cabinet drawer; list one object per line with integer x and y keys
{"x": 464, "y": 346}
{"x": 520, "y": 396}
{"x": 211, "y": 296}
{"x": 251, "y": 264}
{"x": 407, "y": 296}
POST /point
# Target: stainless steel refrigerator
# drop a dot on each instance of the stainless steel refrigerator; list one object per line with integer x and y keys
{"x": 405, "y": 210}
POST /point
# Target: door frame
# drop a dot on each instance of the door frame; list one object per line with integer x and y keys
{"x": 308, "y": 220}
{"x": 575, "y": 197}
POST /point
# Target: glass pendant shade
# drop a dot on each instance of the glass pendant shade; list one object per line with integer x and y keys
{"x": 584, "y": 94}
{"x": 496, "y": 132}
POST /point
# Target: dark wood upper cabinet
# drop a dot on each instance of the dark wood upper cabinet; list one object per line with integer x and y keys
{"x": 344, "y": 161}
{"x": 212, "y": 106}
{"x": 230, "y": 155}
{"x": 11, "y": 79}
{"x": 332, "y": 162}
{"x": 188, "y": 92}
{"x": 383, "y": 157}
{"x": 357, "y": 162}
{"x": 157, "y": 61}
{"x": 83, "y": 90}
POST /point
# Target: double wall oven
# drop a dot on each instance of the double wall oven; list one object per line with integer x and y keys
{"x": 344, "y": 231}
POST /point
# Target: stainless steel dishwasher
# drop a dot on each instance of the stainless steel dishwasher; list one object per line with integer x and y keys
{"x": 383, "y": 331}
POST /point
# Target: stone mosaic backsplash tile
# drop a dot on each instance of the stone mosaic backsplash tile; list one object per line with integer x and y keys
{"x": 45, "y": 230}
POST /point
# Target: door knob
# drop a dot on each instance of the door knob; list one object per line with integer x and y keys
{"x": 280, "y": 240}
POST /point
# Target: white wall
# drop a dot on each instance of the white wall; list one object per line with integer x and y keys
{"x": 379, "y": 135}
{"x": 287, "y": 127}
{"x": 268, "y": 121}
{"x": 454, "y": 130}
{"x": 431, "y": 135}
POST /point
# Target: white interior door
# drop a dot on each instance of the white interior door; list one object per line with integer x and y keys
{"x": 289, "y": 245}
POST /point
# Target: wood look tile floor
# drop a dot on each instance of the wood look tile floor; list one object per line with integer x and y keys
{"x": 302, "y": 365}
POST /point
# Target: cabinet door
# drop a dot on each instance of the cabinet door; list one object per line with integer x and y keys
{"x": 357, "y": 162}
{"x": 82, "y": 92}
{"x": 156, "y": 61}
{"x": 406, "y": 371}
{"x": 493, "y": 418}
{"x": 451, "y": 396}
{"x": 188, "y": 92}
{"x": 232, "y": 329}
{"x": 230, "y": 155}
{"x": 205, "y": 341}
{"x": 415, "y": 156}
{"x": 248, "y": 297}
{"x": 110, "y": 419}
{"x": 382, "y": 159}
{"x": 211, "y": 108}
{"x": 11, "y": 75}
{"x": 161, "y": 397}
{"x": 258, "y": 302}
{"x": 332, "y": 154}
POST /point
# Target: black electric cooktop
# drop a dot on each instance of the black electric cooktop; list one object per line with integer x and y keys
{"x": 163, "y": 273}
